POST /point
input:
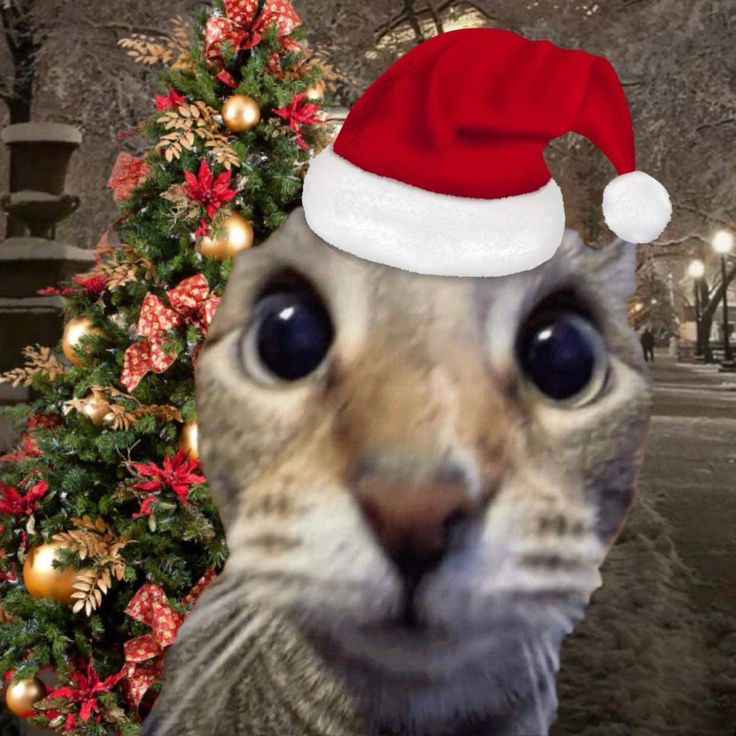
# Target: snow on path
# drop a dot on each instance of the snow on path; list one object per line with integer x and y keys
{"x": 633, "y": 667}
{"x": 656, "y": 653}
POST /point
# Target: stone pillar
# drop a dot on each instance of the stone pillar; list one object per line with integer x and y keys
{"x": 41, "y": 153}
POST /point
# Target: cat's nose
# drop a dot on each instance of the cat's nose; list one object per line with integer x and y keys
{"x": 412, "y": 518}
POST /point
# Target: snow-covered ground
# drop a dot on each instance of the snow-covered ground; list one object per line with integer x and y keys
{"x": 656, "y": 653}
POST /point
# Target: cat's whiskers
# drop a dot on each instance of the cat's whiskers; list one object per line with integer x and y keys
{"x": 552, "y": 656}
{"x": 291, "y": 584}
{"x": 212, "y": 644}
{"x": 212, "y": 608}
{"x": 541, "y": 721}
{"x": 552, "y": 652}
{"x": 237, "y": 645}
{"x": 271, "y": 543}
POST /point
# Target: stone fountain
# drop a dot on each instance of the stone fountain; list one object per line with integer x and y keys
{"x": 40, "y": 154}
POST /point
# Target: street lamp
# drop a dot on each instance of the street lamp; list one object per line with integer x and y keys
{"x": 696, "y": 270}
{"x": 722, "y": 244}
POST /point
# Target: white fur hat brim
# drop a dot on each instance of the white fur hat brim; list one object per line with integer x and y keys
{"x": 397, "y": 224}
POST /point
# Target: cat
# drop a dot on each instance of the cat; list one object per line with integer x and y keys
{"x": 419, "y": 478}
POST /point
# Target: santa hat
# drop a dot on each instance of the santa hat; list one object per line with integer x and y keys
{"x": 439, "y": 167}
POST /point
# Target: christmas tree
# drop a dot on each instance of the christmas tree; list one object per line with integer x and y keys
{"x": 107, "y": 530}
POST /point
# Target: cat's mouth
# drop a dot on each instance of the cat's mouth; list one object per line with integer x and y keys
{"x": 415, "y": 642}
{"x": 409, "y": 617}
{"x": 416, "y": 651}
{"x": 409, "y": 626}
{"x": 412, "y": 643}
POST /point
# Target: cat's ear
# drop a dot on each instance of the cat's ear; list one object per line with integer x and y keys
{"x": 612, "y": 267}
{"x": 617, "y": 269}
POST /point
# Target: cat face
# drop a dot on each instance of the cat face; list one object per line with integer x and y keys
{"x": 423, "y": 473}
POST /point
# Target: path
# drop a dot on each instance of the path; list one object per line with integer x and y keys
{"x": 656, "y": 654}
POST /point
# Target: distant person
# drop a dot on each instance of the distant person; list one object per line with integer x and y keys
{"x": 647, "y": 344}
{"x": 674, "y": 347}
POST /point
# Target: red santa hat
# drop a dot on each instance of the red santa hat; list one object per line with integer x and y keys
{"x": 439, "y": 167}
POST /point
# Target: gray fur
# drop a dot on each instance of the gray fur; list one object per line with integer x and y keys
{"x": 291, "y": 638}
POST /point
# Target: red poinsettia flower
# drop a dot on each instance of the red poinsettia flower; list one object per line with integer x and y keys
{"x": 210, "y": 191}
{"x": 21, "y": 504}
{"x": 297, "y": 114}
{"x": 146, "y": 508}
{"x": 41, "y": 420}
{"x": 85, "y": 689}
{"x": 170, "y": 101}
{"x": 27, "y": 449}
{"x": 92, "y": 284}
{"x": 178, "y": 473}
{"x": 128, "y": 172}
{"x": 203, "y": 229}
{"x": 56, "y": 291}
{"x": 10, "y": 575}
{"x": 121, "y": 135}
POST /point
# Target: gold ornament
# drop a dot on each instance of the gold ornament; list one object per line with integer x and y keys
{"x": 189, "y": 439}
{"x": 74, "y": 331}
{"x": 21, "y": 696}
{"x": 237, "y": 235}
{"x": 240, "y": 113}
{"x": 95, "y": 408}
{"x": 315, "y": 92}
{"x": 42, "y": 579}
{"x": 211, "y": 248}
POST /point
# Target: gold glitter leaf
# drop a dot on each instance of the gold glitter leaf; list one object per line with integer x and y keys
{"x": 38, "y": 361}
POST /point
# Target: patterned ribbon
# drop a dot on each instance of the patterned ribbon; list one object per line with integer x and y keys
{"x": 190, "y": 303}
{"x": 128, "y": 172}
{"x": 243, "y": 27}
{"x": 144, "y": 655}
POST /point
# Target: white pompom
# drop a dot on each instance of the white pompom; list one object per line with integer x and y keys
{"x": 636, "y": 207}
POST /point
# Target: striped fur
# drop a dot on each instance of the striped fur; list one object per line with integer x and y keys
{"x": 295, "y": 638}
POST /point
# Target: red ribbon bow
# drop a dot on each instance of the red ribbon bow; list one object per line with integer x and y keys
{"x": 243, "y": 27}
{"x": 128, "y": 173}
{"x": 191, "y": 303}
{"x": 144, "y": 654}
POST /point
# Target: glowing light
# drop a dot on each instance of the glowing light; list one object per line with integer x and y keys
{"x": 723, "y": 242}
{"x": 696, "y": 269}
{"x": 456, "y": 16}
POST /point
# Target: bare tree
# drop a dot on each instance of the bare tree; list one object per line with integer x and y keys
{"x": 679, "y": 81}
{"x": 411, "y": 14}
{"x": 23, "y": 42}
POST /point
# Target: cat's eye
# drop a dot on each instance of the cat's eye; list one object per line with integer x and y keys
{"x": 563, "y": 355}
{"x": 289, "y": 336}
